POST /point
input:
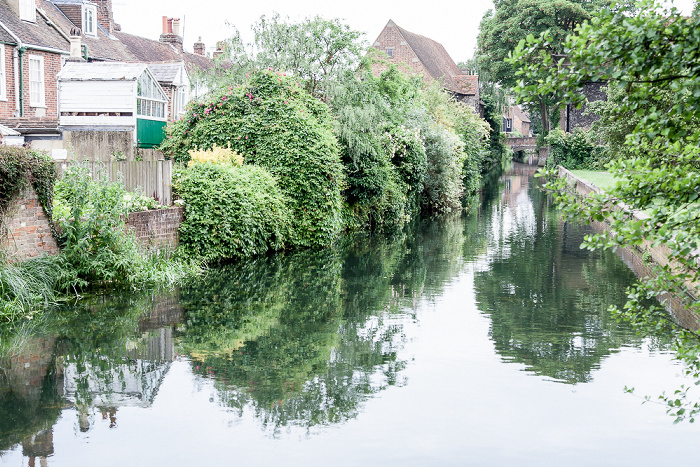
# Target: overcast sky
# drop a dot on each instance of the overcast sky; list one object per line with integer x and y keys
{"x": 454, "y": 24}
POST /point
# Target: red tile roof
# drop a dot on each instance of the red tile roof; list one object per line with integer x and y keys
{"x": 438, "y": 62}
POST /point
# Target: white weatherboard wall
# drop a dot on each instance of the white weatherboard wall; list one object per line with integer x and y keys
{"x": 101, "y": 97}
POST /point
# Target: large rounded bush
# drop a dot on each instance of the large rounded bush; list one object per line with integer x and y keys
{"x": 275, "y": 124}
{"x": 231, "y": 212}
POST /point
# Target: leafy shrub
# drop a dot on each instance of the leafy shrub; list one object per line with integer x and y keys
{"x": 275, "y": 124}
{"x": 94, "y": 243}
{"x": 231, "y": 212}
{"x": 573, "y": 151}
{"x": 21, "y": 168}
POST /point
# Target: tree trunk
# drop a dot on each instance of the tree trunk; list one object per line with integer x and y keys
{"x": 545, "y": 117}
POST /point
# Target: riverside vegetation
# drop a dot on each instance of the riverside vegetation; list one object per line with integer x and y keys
{"x": 649, "y": 54}
{"x": 266, "y": 162}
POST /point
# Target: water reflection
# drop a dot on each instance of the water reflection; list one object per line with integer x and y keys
{"x": 547, "y": 298}
{"x": 307, "y": 339}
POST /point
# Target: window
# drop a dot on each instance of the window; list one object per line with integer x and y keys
{"x": 390, "y": 52}
{"x": 27, "y": 10}
{"x": 3, "y": 76}
{"x": 180, "y": 102}
{"x": 507, "y": 125}
{"x": 89, "y": 19}
{"x": 36, "y": 81}
{"x": 151, "y": 101}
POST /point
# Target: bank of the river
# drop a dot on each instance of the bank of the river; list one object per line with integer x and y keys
{"x": 640, "y": 257}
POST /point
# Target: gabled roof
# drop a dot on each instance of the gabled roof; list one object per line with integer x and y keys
{"x": 38, "y": 34}
{"x": 166, "y": 72}
{"x": 148, "y": 50}
{"x": 101, "y": 71}
{"x": 518, "y": 111}
{"x": 437, "y": 62}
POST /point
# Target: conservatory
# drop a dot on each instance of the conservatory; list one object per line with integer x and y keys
{"x": 113, "y": 97}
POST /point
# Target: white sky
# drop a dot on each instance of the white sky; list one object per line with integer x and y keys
{"x": 453, "y": 23}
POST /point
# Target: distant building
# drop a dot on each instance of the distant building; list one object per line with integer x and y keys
{"x": 516, "y": 120}
{"x": 418, "y": 54}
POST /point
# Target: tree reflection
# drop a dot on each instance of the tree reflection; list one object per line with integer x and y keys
{"x": 547, "y": 299}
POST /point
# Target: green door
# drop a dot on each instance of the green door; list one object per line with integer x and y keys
{"x": 149, "y": 133}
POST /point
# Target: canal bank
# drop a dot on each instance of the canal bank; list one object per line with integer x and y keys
{"x": 640, "y": 258}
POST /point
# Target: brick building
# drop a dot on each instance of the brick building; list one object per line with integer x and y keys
{"x": 416, "y": 54}
{"x": 515, "y": 120}
{"x": 37, "y": 37}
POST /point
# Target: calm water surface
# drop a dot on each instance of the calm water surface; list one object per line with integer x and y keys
{"x": 467, "y": 341}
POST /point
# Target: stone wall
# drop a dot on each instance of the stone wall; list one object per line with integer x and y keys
{"x": 26, "y": 232}
{"x": 633, "y": 257}
{"x": 156, "y": 230}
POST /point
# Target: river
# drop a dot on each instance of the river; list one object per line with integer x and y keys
{"x": 476, "y": 340}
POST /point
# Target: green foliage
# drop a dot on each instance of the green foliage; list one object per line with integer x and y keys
{"x": 27, "y": 286}
{"x": 277, "y": 125}
{"x": 315, "y": 50}
{"x": 96, "y": 249}
{"x": 231, "y": 212}
{"x": 651, "y": 59}
{"x": 513, "y": 21}
{"x": 385, "y": 162}
{"x": 21, "y": 168}
{"x": 573, "y": 151}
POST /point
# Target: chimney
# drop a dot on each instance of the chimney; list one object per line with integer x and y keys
{"x": 76, "y": 46}
{"x": 199, "y": 47}
{"x": 171, "y": 33}
{"x": 219, "y": 50}
{"x": 105, "y": 16}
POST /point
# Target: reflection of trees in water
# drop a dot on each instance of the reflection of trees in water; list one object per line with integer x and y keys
{"x": 91, "y": 356}
{"x": 305, "y": 338}
{"x": 546, "y": 298}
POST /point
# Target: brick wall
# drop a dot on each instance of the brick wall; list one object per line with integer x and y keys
{"x": 27, "y": 233}
{"x": 52, "y": 65}
{"x": 157, "y": 229}
{"x": 403, "y": 55}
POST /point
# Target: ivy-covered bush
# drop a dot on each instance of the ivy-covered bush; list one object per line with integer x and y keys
{"x": 274, "y": 123}
{"x": 574, "y": 151}
{"x": 231, "y": 211}
{"x": 21, "y": 168}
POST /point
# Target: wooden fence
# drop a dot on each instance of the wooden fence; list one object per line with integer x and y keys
{"x": 151, "y": 178}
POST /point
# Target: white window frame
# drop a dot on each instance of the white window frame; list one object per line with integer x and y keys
{"x": 92, "y": 11}
{"x": 3, "y": 74}
{"x": 27, "y": 10}
{"x": 151, "y": 101}
{"x": 41, "y": 91}
{"x": 390, "y": 52}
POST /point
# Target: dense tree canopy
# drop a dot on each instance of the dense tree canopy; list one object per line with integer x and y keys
{"x": 651, "y": 59}
{"x": 513, "y": 20}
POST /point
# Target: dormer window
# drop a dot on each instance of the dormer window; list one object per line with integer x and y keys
{"x": 90, "y": 20}
{"x": 27, "y": 10}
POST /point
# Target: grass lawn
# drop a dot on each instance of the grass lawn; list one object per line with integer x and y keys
{"x": 601, "y": 179}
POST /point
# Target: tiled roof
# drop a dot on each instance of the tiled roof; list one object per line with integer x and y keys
{"x": 39, "y": 33}
{"x": 468, "y": 84}
{"x": 165, "y": 72}
{"x": 438, "y": 62}
{"x": 520, "y": 114}
{"x": 101, "y": 71}
{"x": 101, "y": 47}
{"x": 148, "y": 50}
